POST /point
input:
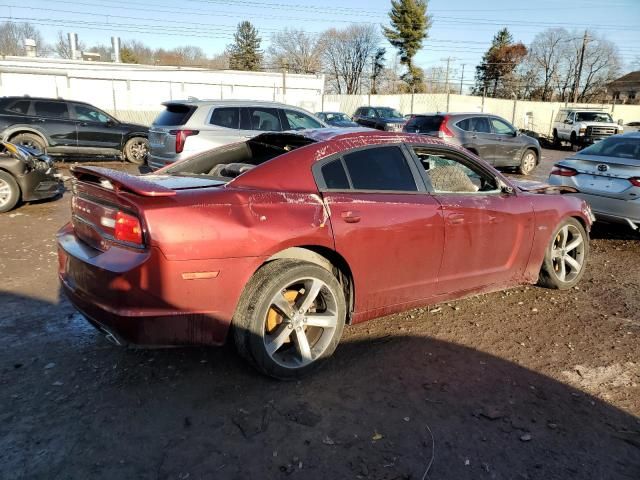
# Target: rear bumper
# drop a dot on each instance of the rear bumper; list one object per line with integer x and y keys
{"x": 141, "y": 298}
{"x": 614, "y": 210}
{"x": 156, "y": 163}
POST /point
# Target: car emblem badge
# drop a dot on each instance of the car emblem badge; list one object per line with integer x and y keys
{"x": 603, "y": 168}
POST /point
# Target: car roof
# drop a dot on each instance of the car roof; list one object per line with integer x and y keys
{"x": 42, "y": 99}
{"x": 229, "y": 103}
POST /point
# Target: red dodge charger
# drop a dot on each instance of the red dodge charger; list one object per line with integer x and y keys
{"x": 283, "y": 239}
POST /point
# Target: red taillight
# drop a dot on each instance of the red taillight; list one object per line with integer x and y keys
{"x": 443, "y": 131}
{"x": 181, "y": 137}
{"x": 635, "y": 181}
{"x": 127, "y": 229}
{"x": 563, "y": 171}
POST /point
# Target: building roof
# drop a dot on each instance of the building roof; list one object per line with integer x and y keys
{"x": 628, "y": 80}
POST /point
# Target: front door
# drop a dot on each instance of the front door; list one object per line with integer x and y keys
{"x": 385, "y": 225}
{"x": 96, "y": 130}
{"x": 488, "y": 233}
{"x": 480, "y": 138}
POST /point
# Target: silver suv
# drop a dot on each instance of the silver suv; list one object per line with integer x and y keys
{"x": 187, "y": 127}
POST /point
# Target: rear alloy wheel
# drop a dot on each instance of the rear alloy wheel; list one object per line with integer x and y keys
{"x": 136, "y": 150}
{"x": 566, "y": 256}
{"x": 290, "y": 318}
{"x": 9, "y": 192}
{"x": 29, "y": 140}
{"x": 528, "y": 162}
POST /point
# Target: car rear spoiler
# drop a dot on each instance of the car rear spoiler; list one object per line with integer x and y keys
{"x": 120, "y": 181}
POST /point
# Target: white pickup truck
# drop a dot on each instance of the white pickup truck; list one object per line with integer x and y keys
{"x": 583, "y": 127}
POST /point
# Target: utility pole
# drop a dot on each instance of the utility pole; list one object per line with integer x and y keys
{"x": 462, "y": 78}
{"x": 576, "y": 86}
{"x": 372, "y": 88}
{"x": 446, "y": 84}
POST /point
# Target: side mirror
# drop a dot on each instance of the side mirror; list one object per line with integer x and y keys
{"x": 504, "y": 188}
{"x": 620, "y": 122}
{"x": 516, "y": 132}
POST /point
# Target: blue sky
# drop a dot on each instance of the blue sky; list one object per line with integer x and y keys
{"x": 461, "y": 28}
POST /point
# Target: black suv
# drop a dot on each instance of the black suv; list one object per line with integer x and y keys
{"x": 69, "y": 128}
{"x": 381, "y": 118}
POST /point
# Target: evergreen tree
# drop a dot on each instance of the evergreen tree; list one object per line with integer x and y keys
{"x": 245, "y": 53}
{"x": 409, "y": 27}
{"x": 494, "y": 74}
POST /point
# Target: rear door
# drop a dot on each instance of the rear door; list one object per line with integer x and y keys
{"x": 54, "y": 118}
{"x": 507, "y": 146}
{"x": 488, "y": 233}
{"x": 479, "y": 137}
{"x": 95, "y": 129}
{"x": 385, "y": 224}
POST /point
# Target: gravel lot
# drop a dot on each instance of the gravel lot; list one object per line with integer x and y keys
{"x": 523, "y": 384}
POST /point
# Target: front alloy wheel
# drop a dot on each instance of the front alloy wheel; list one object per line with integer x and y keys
{"x": 290, "y": 318}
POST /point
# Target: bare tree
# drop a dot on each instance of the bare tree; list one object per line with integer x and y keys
{"x": 601, "y": 66}
{"x": 544, "y": 60}
{"x": 295, "y": 50}
{"x": 346, "y": 54}
{"x": 13, "y": 35}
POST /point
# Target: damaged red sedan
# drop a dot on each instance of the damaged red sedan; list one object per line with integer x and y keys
{"x": 280, "y": 241}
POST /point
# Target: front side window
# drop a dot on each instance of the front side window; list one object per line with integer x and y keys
{"x": 449, "y": 173}
{"x": 501, "y": 127}
{"x": 52, "y": 109}
{"x": 226, "y": 117}
{"x": 264, "y": 120}
{"x": 380, "y": 168}
{"x": 300, "y": 121}
{"x": 88, "y": 114}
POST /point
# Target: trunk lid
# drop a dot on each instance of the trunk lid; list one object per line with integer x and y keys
{"x": 603, "y": 175}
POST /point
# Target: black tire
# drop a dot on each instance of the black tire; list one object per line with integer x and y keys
{"x": 136, "y": 150}
{"x": 554, "y": 273}
{"x": 528, "y": 162}
{"x": 30, "y": 140}
{"x": 9, "y": 192}
{"x": 574, "y": 142}
{"x": 281, "y": 279}
{"x": 556, "y": 140}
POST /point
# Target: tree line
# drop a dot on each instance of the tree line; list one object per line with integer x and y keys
{"x": 353, "y": 61}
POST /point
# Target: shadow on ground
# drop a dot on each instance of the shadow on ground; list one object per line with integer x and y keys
{"x": 74, "y": 406}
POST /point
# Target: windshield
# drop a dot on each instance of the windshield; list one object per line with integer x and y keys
{"x": 337, "y": 117}
{"x": 619, "y": 147}
{"x": 388, "y": 113}
{"x": 593, "y": 117}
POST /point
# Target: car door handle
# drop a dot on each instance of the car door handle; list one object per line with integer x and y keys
{"x": 83, "y": 124}
{"x": 455, "y": 218}
{"x": 474, "y": 136}
{"x": 42, "y": 120}
{"x": 351, "y": 216}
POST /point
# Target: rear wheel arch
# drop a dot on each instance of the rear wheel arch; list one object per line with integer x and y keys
{"x": 329, "y": 260}
{"x": 22, "y": 131}
{"x": 473, "y": 150}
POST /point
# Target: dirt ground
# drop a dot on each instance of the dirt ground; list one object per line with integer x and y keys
{"x": 523, "y": 384}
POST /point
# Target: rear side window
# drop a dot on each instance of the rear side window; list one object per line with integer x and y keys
{"x": 52, "y": 109}
{"x": 264, "y": 119}
{"x": 335, "y": 176}
{"x": 174, "y": 115}
{"x": 380, "y": 168}
{"x": 480, "y": 125}
{"x": 226, "y": 117}
{"x": 429, "y": 123}
{"x": 464, "y": 124}
{"x": 21, "y": 107}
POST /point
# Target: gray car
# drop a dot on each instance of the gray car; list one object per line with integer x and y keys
{"x": 607, "y": 176}
{"x": 187, "y": 127}
{"x": 490, "y": 137}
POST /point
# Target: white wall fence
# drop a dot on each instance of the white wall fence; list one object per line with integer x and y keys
{"x": 535, "y": 116}
{"x": 135, "y": 92}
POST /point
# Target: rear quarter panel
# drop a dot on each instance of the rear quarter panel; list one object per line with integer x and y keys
{"x": 550, "y": 211}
